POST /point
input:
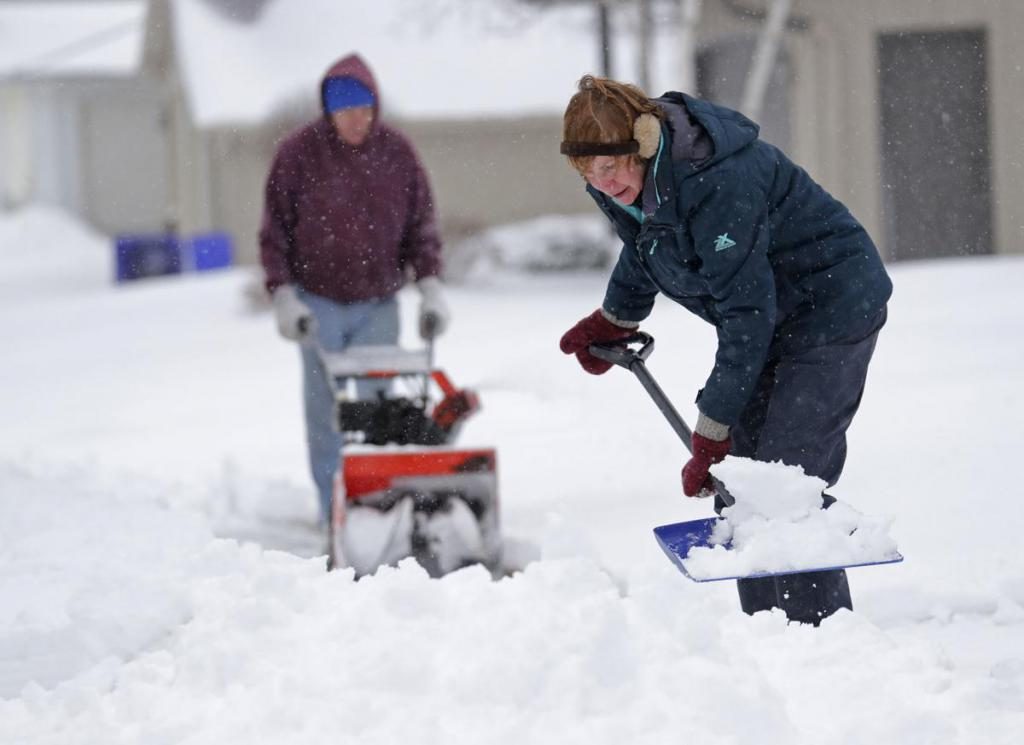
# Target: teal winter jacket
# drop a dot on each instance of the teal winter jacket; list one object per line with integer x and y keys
{"x": 733, "y": 230}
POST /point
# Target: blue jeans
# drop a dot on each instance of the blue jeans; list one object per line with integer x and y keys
{"x": 338, "y": 326}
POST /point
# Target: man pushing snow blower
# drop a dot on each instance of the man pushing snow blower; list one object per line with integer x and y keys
{"x": 728, "y": 227}
{"x": 348, "y": 217}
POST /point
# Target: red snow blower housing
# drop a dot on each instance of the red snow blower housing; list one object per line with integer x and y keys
{"x": 402, "y": 490}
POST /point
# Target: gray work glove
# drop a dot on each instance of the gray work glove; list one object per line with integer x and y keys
{"x": 295, "y": 320}
{"x": 434, "y": 315}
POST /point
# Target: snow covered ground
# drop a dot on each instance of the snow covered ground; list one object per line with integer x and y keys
{"x": 159, "y": 580}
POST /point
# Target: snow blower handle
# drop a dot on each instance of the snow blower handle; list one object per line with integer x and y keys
{"x": 620, "y": 353}
{"x": 429, "y": 370}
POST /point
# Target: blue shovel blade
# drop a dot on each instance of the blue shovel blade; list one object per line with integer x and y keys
{"x": 677, "y": 539}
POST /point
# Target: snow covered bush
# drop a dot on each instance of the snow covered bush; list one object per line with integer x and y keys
{"x": 543, "y": 244}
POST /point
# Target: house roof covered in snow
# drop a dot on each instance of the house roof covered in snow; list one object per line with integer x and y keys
{"x": 440, "y": 59}
{"x": 87, "y": 37}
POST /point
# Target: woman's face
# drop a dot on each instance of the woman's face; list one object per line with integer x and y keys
{"x": 619, "y": 176}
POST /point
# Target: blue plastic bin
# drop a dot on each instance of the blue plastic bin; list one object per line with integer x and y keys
{"x": 150, "y": 255}
{"x": 158, "y": 254}
{"x": 210, "y": 251}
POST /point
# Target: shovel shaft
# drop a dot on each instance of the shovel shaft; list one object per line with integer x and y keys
{"x": 638, "y": 368}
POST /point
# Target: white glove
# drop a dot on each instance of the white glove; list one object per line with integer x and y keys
{"x": 434, "y": 315}
{"x": 295, "y": 320}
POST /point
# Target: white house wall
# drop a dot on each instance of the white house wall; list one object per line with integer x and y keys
{"x": 1006, "y": 109}
{"x": 15, "y": 147}
{"x": 488, "y": 172}
{"x": 52, "y": 147}
{"x": 239, "y": 160}
{"x": 126, "y": 158}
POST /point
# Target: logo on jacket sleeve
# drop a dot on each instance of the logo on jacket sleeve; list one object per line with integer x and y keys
{"x": 723, "y": 242}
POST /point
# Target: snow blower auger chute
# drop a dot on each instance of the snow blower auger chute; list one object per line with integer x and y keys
{"x": 403, "y": 490}
{"x": 678, "y": 540}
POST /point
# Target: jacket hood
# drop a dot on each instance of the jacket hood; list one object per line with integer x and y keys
{"x": 729, "y": 130}
{"x": 352, "y": 66}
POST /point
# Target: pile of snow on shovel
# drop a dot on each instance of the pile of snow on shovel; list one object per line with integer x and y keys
{"x": 777, "y": 525}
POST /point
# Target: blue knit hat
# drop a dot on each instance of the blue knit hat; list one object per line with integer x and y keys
{"x": 345, "y": 93}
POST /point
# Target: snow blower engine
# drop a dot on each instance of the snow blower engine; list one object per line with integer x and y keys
{"x": 402, "y": 489}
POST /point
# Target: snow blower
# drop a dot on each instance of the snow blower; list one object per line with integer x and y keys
{"x": 402, "y": 490}
{"x": 678, "y": 540}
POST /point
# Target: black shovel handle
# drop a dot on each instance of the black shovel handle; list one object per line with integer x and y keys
{"x": 621, "y": 353}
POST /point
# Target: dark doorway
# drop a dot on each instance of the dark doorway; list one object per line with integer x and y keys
{"x": 936, "y": 181}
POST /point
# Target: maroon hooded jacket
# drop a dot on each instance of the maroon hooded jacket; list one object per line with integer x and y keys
{"x": 344, "y": 222}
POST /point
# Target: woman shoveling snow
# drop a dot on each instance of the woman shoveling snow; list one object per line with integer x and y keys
{"x": 731, "y": 229}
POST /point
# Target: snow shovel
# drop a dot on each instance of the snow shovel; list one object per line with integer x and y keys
{"x": 678, "y": 539}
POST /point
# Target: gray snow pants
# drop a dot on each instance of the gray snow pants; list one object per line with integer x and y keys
{"x": 799, "y": 413}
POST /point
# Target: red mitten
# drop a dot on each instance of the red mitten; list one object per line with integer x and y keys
{"x": 594, "y": 329}
{"x": 705, "y": 454}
